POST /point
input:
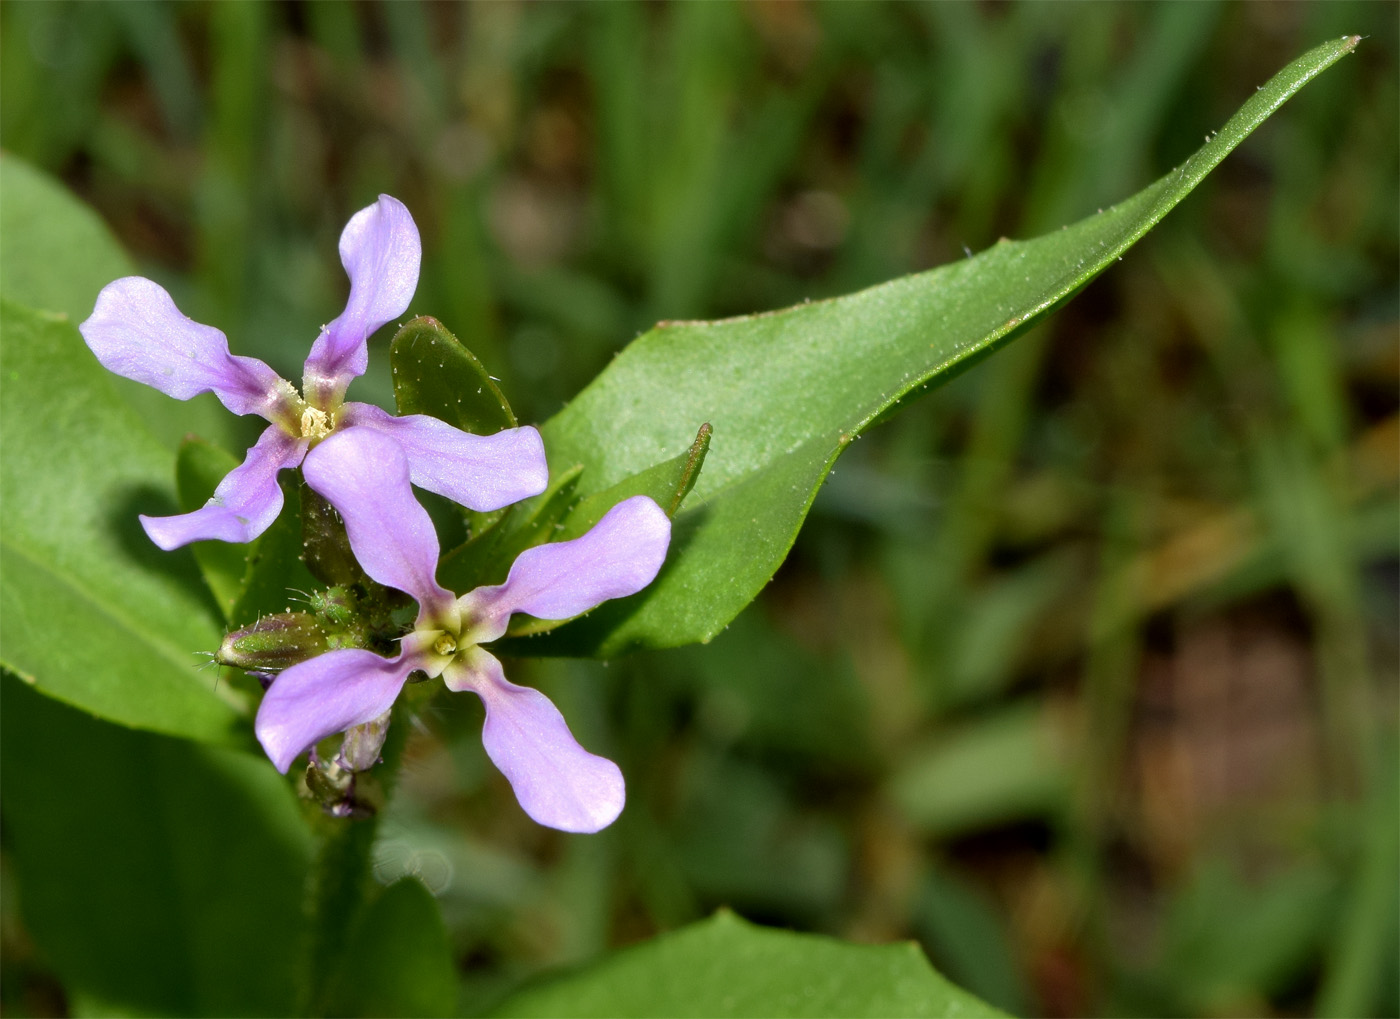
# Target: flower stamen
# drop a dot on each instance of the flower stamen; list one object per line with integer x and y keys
{"x": 315, "y": 424}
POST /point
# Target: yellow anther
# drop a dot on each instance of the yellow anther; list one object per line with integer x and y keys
{"x": 315, "y": 424}
{"x": 444, "y": 645}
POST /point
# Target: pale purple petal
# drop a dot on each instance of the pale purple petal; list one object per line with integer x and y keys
{"x": 364, "y": 475}
{"x": 481, "y": 472}
{"x": 619, "y": 555}
{"x": 326, "y": 695}
{"x": 381, "y": 251}
{"x": 557, "y": 782}
{"x": 137, "y": 332}
{"x": 244, "y": 505}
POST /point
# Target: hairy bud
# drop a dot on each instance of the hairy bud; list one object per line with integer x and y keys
{"x": 274, "y": 642}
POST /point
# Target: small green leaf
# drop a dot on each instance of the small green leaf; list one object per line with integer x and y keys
{"x": 157, "y": 877}
{"x": 667, "y": 483}
{"x": 435, "y": 374}
{"x": 94, "y": 613}
{"x": 486, "y": 557}
{"x": 399, "y": 962}
{"x": 727, "y": 967}
{"x": 788, "y": 391}
{"x": 556, "y": 515}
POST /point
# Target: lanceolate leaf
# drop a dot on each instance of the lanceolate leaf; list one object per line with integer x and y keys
{"x": 787, "y": 391}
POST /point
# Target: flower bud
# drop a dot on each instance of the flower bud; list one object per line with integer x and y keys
{"x": 360, "y": 749}
{"x": 337, "y": 607}
{"x": 273, "y": 642}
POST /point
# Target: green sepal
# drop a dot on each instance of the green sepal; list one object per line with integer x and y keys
{"x": 435, "y": 374}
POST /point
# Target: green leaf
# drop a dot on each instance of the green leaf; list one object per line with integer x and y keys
{"x": 668, "y": 483}
{"x": 399, "y": 962}
{"x": 156, "y": 876}
{"x": 787, "y": 391}
{"x": 726, "y": 966}
{"x": 486, "y": 557}
{"x": 55, "y": 252}
{"x": 435, "y": 374}
{"x": 55, "y": 255}
{"x": 95, "y": 614}
{"x": 558, "y": 515}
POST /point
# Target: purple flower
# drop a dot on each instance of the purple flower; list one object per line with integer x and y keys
{"x": 136, "y": 331}
{"x": 557, "y": 782}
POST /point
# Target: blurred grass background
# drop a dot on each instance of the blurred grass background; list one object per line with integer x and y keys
{"x": 1084, "y": 670}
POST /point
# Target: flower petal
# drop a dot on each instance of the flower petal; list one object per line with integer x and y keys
{"x": 137, "y": 332}
{"x": 557, "y": 782}
{"x": 619, "y": 555}
{"x": 326, "y": 695}
{"x": 244, "y": 505}
{"x": 364, "y": 475}
{"x": 481, "y": 472}
{"x": 381, "y": 252}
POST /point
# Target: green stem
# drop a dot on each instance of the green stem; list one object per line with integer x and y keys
{"x": 341, "y": 880}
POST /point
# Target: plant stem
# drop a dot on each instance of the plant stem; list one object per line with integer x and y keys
{"x": 340, "y": 881}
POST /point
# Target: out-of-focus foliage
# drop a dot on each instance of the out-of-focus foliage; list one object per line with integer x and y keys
{"x": 1082, "y": 672}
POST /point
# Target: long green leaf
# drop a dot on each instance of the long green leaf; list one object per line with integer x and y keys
{"x": 158, "y": 877}
{"x": 726, "y": 966}
{"x": 787, "y": 391}
{"x": 55, "y": 255}
{"x": 94, "y": 614}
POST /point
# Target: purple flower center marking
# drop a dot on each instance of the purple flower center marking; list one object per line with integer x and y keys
{"x": 137, "y": 332}
{"x": 557, "y": 782}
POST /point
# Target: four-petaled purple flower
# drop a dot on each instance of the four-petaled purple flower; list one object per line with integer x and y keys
{"x": 557, "y": 782}
{"x": 136, "y": 331}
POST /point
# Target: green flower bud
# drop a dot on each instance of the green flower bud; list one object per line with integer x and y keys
{"x": 273, "y": 642}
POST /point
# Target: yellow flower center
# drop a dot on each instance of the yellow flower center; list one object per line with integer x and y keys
{"x": 315, "y": 424}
